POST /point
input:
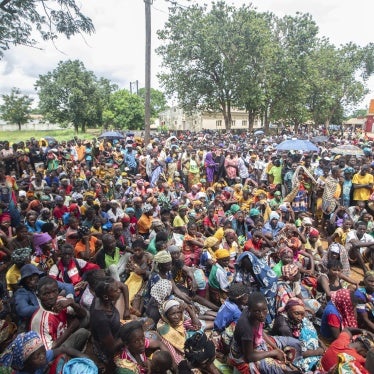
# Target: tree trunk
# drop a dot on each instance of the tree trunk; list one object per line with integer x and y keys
{"x": 327, "y": 124}
{"x": 251, "y": 120}
{"x": 266, "y": 123}
{"x": 19, "y": 126}
{"x": 83, "y": 127}
{"x": 295, "y": 127}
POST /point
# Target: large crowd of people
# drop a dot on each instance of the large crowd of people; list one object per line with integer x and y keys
{"x": 198, "y": 253}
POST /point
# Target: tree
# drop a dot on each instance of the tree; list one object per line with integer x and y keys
{"x": 198, "y": 55}
{"x": 124, "y": 111}
{"x": 70, "y": 94}
{"x": 158, "y": 101}
{"x": 338, "y": 80}
{"x": 16, "y": 108}
{"x": 20, "y": 19}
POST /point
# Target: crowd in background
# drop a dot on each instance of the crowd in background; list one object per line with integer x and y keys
{"x": 204, "y": 253}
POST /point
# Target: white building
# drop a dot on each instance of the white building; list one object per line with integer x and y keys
{"x": 175, "y": 119}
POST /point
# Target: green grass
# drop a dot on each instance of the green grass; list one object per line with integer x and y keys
{"x": 65, "y": 134}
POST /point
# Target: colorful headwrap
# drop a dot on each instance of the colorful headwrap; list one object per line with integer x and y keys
{"x": 21, "y": 255}
{"x": 282, "y": 251}
{"x": 343, "y": 303}
{"x": 161, "y": 290}
{"x": 129, "y": 210}
{"x": 293, "y": 301}
{"x": 289, "y": 271}
{"x": 314, "y": 233}
{"x": 210, "y": 242}
{"x": 222, "y": 253}
{"x": 22, "y": 347}
{"x": 40, "y": 239}
{"x": 167, "y": 305}
{"x": 162, "y": 257}
{"x": 369, "y": 273}
{"x": 147, "y": 208}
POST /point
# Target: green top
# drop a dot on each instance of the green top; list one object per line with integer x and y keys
{"x": 109, "y": 260}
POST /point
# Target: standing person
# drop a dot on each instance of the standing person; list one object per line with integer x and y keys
{"x": 362, "y": 184}
{"x": 210, "y": 168}
{"x": 193, "y": 169}
{"x": 231, "y": 167}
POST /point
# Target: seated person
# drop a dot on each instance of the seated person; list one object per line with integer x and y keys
{"x": 220, "y": 277}
{"x": 105, "y": 318}
{"x": 51, "y": 318}
{"x": 132, "y": 356}
{"x": 19, "y": 257}
{"x": 357, "y": 348}
{"x": 251, "y": 348}
{"x": 292, "y": 321}
{"x": 70, "y": 270}
{"x": 87, "y": 245}
{"x": 110, "y": 258}
{"x": 27, "y": 354}
{"x": 365, "y": 306}
{"x": 173, "y": 328}
{"x": 339, "y": 314}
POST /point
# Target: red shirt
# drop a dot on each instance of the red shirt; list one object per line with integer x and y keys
{"x": 50, "y": 326}
{"x": 59, "y": 211}
{"x": 250, "y": 244}
{"x": 340, "y": 345}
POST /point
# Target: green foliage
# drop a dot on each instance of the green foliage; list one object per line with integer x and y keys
{"x": 158, "y": 101}
{"x": 124, "y": 111}
{"x": 218, "y": 57}
{"x": 70, "y": 94}
{"x": 16, "y": 108}
{"x": 20, "y": 19}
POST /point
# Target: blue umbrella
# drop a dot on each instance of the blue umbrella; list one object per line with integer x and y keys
{"x": 111, "y": 135}
{"x": 297, "y": 145}
{"x": 259, "y": 132}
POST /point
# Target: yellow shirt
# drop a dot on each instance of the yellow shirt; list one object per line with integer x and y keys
{"x": 362, "y": 194}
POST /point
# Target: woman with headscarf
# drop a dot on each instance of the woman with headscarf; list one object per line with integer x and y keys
{"x": 27, "y": 354}
{"x": 257, "y": 276}
{"x": 336, "y": 251}
{"x": 210, "y": 168}
{"x": 173, "y": 328}
{"x": 87, "y": 246}
{"x": 144, "y": 223}
{"x": 291, "y": 321}
{"x": 339, "y": 314}
{"x": 208, "y": 257}
{"x": 161, "y": 285}
{"x": 19, "y": 257}
{"x": 230, "y": 242}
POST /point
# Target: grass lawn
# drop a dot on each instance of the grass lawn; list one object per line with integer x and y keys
{"x": 65, "y": 134}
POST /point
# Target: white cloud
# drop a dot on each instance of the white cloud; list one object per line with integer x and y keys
{"x": 116, "y": 50}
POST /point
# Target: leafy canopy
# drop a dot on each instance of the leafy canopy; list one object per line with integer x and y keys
{"x": 20, "y": 19}
{"x": 16, "y": 108}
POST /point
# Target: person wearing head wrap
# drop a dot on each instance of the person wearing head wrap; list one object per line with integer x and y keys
{"x": 339, "y": 314}
{"x": 230, "y": 242}
{"x": 173, "y": 328}
{"x": 87, "y": 245}
{"x": 336, "y": 251}
{"x": 291, "y": 321}
{"x": 210, "y": 168}
{"x": 220, "y": 277}
{"x": 19, "y": 257}
{"x": 181, "y": 219}
{"x": 208, "y": 257}
{"x": 145, "y": 221}
{"x": 314, "y": 246}
{"x": 349, "y": 353}
{"x": 273, "y": 226}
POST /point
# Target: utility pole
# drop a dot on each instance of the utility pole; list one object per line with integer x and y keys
{"x": 147, "y": 109}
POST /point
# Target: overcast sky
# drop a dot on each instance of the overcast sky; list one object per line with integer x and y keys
{"x": 116, "y": 50}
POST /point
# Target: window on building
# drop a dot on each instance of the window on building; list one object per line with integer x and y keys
{"x": 233, "y": 123}
{"x": 244, "y": 123}
{"x": 219, "y": 123}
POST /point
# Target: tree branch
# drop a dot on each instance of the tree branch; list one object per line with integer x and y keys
{"x": 3, "y": 4}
